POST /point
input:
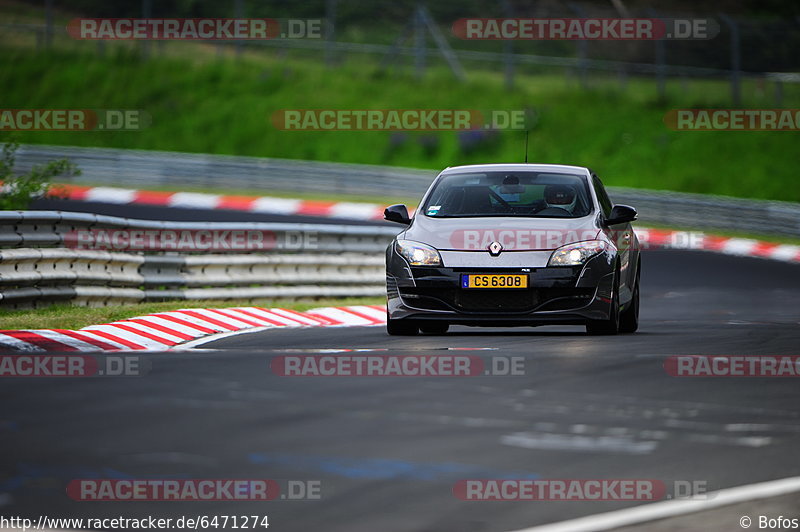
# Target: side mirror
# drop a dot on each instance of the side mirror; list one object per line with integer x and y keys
{"x": 621, "y": 214}
{"x": 397, "y": 213}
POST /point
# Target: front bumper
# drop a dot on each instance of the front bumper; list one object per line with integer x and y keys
{"x": 562, "y": 295}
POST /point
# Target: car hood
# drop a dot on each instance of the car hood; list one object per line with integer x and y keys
{"x": 519, "y": 234}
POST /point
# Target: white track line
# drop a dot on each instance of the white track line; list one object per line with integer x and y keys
{"x": 673, "y": 508}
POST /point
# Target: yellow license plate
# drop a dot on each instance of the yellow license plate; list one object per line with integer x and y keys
{"x": 494, "y": 280}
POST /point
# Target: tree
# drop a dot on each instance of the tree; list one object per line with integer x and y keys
{"x": 17, "y": 192}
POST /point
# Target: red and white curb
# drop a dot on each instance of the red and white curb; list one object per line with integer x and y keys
{"x": 196, "y": 200}
{"x": 173, "y": 329}
{"x": 696, "y": 240}
{"x": 650, "y": 238}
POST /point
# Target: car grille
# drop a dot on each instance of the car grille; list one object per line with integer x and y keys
{"x": 496, "y": 300}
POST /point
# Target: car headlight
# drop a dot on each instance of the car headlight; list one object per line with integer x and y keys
{"x": 577, "y": 253}
{"x": 418, "y": 254}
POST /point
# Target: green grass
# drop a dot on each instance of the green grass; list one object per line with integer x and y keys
{"x": 202, "y": 104}
{"x": 72, "y": 317}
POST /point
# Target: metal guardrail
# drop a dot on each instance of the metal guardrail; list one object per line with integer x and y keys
{"x": 340, "y": 261}
{"x": 143, "y": 169}
{"x": 51, "y": 228}
{"x": 699, "y": 211}
{"x": 36, "y": 269}
{"x": 133, "y": 168}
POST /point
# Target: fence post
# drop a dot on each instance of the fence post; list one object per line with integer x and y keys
{"x": 508, "y": 49}
{"x": 661, "y": 58}
{"x": 661, "y": 78}
{"x": 146, "y": 13}
{"x": 736, "y": 58}
{"x": 394, "y": 50}
{"x": 441, "y": 42}
{"x": 48, "y": 18}
{"x": 419, "y": 43}
{"x": 582, "y": 46}
{"x": 330, "y": 30}
{"x": 238, "y": 13}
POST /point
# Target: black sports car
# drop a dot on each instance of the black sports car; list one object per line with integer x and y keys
{"x": 511, "y": 245}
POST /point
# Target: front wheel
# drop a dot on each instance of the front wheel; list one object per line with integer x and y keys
{"x": 610, "y": 325}
{"x": 629, "y": 318}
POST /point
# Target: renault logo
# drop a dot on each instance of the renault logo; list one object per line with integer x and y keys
{"x": 495, "y": 248}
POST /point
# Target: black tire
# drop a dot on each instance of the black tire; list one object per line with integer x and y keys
{"x": 435, "y": 327}
{"x": 629, "y": 318}
{"x": 401, "y": 327}
{"x": 611, "y": 325}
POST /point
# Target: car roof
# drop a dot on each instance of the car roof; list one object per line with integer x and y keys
{"x": 519, "y": 167}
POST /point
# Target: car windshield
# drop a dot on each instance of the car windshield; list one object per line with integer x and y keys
{"x": 526, "y": 194}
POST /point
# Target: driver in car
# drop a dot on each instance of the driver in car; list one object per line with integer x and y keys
{"x": 559, "y": 197}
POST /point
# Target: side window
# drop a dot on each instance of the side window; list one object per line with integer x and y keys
{"x": 602, "y": 197}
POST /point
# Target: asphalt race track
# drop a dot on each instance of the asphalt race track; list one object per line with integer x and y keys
{"x": 388, "y": 450}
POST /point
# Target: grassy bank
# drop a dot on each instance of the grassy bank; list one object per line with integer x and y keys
{"x": 70, "y": 317}
{"x": 202, "y": 104}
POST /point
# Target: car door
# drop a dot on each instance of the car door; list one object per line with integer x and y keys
{"x": 623, "y": 237}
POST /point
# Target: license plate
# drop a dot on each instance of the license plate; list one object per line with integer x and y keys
{"x": 494, "y": 280}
